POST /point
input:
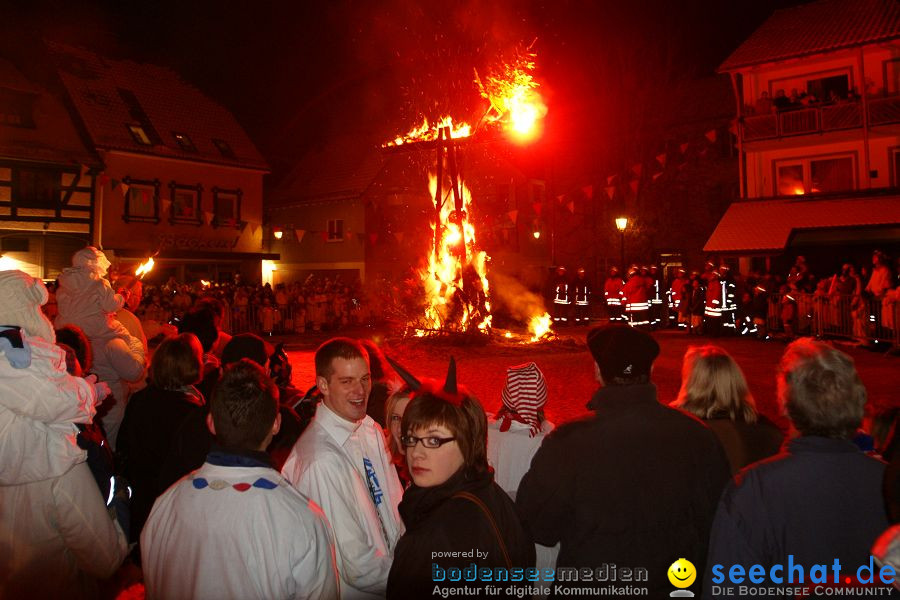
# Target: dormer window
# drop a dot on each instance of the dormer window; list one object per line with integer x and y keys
{"x": 223, "y": 147}
{"x": 140, "y": 136}
{"x": 184, "y": 142}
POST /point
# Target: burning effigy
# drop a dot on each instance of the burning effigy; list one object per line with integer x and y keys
{"x": 455, "y": 275}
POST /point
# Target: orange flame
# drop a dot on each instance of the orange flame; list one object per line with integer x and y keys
{"x": 539, "y": 326}
{"x": 144, "y": 268}
{"x": 426, "y": 132}
{"x": 456, "y": 289}
{"x": 204, "y": 283}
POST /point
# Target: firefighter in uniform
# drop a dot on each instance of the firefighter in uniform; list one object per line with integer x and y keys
{"x": 656, "y": 297}
{"x": 613, "y": 291}
{"x": 582, "y": 292}
{"x": 637, "y": 302}
{"x": 562, "y": 297}
{"x": 712, "y": 321}
{"x": 729, "y": 299}
{"x": 677, "y": 294}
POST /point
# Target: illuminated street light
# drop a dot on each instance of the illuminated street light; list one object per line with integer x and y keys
{"x": 621, "y": 224}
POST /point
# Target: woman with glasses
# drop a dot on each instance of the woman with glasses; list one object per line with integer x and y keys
{"x": 459, "y": 523}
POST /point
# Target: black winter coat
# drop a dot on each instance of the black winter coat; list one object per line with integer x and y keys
{"x": 636, "y": 486}
{"x": 437, "y": 522}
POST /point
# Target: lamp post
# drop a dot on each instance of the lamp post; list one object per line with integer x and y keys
{"x": 621, "y": 224}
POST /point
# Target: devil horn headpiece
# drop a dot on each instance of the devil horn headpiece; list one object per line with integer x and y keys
{"x": 408, "y": 377}
{"x": 450, "y": 382}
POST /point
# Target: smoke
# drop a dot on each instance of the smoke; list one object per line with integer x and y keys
{"x": 509, "y": 293}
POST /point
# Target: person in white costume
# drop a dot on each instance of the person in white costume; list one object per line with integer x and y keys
{"x": 56, "y": 536}
{"x": 516, "y": 433}
{"x": 235, "y": 528}
{"x": 340, "y": 462}
{"x": 86, "y": 299}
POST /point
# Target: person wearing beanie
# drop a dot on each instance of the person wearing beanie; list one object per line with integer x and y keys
{"x": 516, "y": 432}
{"x": 637, "y": 483}
{"x": 58, "y": 537}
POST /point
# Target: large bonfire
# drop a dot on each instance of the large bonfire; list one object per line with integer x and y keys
{"x": 455, "y": 277}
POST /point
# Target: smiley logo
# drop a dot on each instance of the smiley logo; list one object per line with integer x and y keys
{"x": 682, "y": 573}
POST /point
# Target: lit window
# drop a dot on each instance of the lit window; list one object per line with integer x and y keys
{"x": 335, "y": 230}
{"x": 185, "y": 204}
{"x": 184, "y": 142}
{"x": 140, "y": 136}
{"x": 815, "y": 175}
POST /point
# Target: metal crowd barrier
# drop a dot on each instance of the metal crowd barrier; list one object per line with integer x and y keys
{"x": 856, "y": 317}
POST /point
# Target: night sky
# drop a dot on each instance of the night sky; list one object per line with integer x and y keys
{"x": 295, "y": 73}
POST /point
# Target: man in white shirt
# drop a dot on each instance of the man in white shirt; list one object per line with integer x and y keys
{"x": 235, "y": 528}
{"x": 340, "y": 462}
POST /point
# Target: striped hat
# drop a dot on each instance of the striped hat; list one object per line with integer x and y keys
{"x": 524, "y": 394}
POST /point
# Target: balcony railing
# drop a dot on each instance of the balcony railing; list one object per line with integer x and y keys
{"x": 818, "y": 119}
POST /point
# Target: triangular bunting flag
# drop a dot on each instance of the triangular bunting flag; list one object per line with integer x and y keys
{"x": 610, "y": 191}
{"x": 115, "y": 183}
{"x": 208, "y": 216}
{"x": 243, "y": 226}
{"x": 634, "y": 186}
{"x": 124, "y": 187}
{"x": 588, "y": 191}
{"x": 299, "y": 233}
{"x": 560, "y": 198}
{"x": 513, "y": 215}
{"x": 610, "y": 179}
{"x": 661, "y": 159}
{"x": 537, "y": 208}
{"x": 711, "y": 136}
{"x": 84, "y": 171}
{"x": 168, "y": 203}
{"x": 348, "y": 235}
{"x": 571, "y": 206}
{"x": 254, "y": 227}
{"x": 683, "y": 147}
{"x": 636, "y": 169}
{"x": 656, "y": 175}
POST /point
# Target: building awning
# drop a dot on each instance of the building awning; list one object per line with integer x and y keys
{"x": 768, "y": 225}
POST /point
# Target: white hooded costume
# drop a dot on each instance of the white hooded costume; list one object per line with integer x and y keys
{"x": 56, "y": 536}
{"x": 86, "y": 299}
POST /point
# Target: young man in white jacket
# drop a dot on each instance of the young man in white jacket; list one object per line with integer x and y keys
{"x": 341, "y": 463}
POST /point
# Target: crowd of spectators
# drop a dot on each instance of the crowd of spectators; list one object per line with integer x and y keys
{"x": 796, "y": 100}
{"x": 238, "y": 495}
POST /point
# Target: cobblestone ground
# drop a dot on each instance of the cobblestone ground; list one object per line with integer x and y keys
{"x": 567, "y": 367}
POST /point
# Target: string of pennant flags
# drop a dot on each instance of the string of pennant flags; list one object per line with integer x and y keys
{"x": 632, "y": 180}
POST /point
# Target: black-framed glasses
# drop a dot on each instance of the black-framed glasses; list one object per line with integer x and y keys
{"x": 431, "y": 442}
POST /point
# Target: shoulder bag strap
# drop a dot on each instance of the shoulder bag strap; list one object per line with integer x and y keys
{"x": 487, "y": 513}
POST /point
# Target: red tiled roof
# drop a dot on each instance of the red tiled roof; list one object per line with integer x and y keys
{"x": 53, "y": 139}
{"x": 818, "y": 27}
{"x": 768, "y": 224}
{"x": 343, "y": 169}
{"x": 171, "y": 105}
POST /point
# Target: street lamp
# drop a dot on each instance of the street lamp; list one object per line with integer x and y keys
{"x": 621, "y": 224}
